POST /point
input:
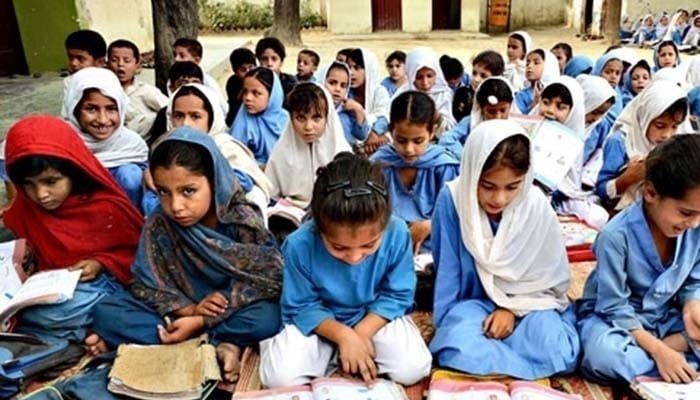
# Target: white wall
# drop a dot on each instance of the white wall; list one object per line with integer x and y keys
{"x": 123, "y": 19}
{"x": 526, "y": 13}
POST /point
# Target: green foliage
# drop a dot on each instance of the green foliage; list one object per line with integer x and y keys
{"x": 243, "y": 14}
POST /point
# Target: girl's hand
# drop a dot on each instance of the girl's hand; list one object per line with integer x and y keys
{"x": 374, "y": 141}
{"x": 212, "y": 305}
{"x": 420, "y": 230}
{"x": 148, "y": 180}
{"x": 691, "y": 319}
{"x": 500, "y": 324}
{"x": 356, "y": 357}
{"x": 182, "y": 329}
{"x": 90, "y": 269}
{"x": 672, "y": 365}
{"x": 636, "y": 169}
{"x": 537, "y": 88}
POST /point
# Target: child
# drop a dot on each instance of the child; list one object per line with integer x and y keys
{"x": 261, "y": 120}
{"x": 342, "y": 55}
{"x": 518, "y": 46}
{"x": 205, "y": 262}
{"x": 650, "y": 118}
{"x": 307, "y": 64}
{"x": 349, "y": 282}
{"x": 453, "y": 70}
{"x": 415, "y": 169}
{"x": 645, "y": 32}
{"x": 662, "y": 25}
{"x": 692, "y": 36}
{"x": 124, "y": 59}
{"x": 610, "y": 67}
{"x": 640, "y": 314}
{"x": 563, "y": 52}
{"x": 542, "y": 68}
{"x": 84, "y": 48}
{"x": 271, "y": 54}
{"x": 666, "y": 55}
{"x": 185, "y": 49}
{"x": 309, "y": 142}
{"x": 486, "y": 64}
{"x": 502, "y": 272}
{"x": 636, "y": 79}
{"x": 336, "y": 80}
{"x": 396, "y": 67}
{"x": 97, "y": 107}
{"x": 578, "y": 65}
{"x": 73, "y": 215}
{"x": 242, "y": 60}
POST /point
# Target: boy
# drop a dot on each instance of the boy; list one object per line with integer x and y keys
{"x": 84, "y": 48}
{"x": 271, "y": 53}
{"x": 307, "y": 64}
{"x": 186, "y": 49}
{"x": 242, "y": 60}
{"x": 396, "y": 67}
{"x": 124, "y": 59}
{"x": 486, "y": 64}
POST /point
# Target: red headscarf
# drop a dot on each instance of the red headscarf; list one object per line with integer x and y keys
{"x": 102, "y": 225}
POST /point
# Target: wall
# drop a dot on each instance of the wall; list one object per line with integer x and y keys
{"x": 527, "y": 13}
{"x": 637, "y": 8}
{"x": 416, "y": 15}
{"x": 350, "y": 16}
{"x": 135, "y": 25}
{"x": 471, "y": 15}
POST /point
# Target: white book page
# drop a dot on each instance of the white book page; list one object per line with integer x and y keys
{"x": 657, "y": 389}
{"x": 340, "y": 389}
{"x": 423, "y": 262}
{"x": 60, "y": 283}
{"x": 285, "y": 393}
{"x": 555, "y": 149}
{"x": 10, "y": 281}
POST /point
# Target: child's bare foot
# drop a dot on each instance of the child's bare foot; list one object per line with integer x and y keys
{"x": 95, "y": 344}
{"x": 229, "y": 356}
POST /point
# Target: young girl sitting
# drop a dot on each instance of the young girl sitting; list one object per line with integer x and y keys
{"x": 636, "y": 79}
{"x": 640, "y": 310}
{"x": 336, "y": 79}
{"x": 502, "y": 271}
{"x": 73, "y": 215}
{"x": 97, "y": 105}
{"x": 205, "y": 262}
{"x": 579, "y": 64}
{"x": 666, "y": 55}
{"x": 610, "y": 67}
{"x": 651, "y": 118}
{"x": 261, "y": 119}
{"x": 542, "y": 68}
{"x": 396, "y": 67}
{"x": 415, "y": 169}
{"x": 518, "y": 46}
{"x": 349, "y": 282}
{"x": 645, "y": 32}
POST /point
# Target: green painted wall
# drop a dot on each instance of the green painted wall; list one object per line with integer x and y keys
{"x": 43, "y": 26}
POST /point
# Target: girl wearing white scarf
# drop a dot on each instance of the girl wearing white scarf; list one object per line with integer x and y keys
{"x": 515, "y": 69}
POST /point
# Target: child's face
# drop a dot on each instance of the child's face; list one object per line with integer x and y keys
{"x": 410, "y": 140}
{"x": 186, "y": 197}
{"x": 499, "y": 110}
{"x": 515, "y": 50}
{"x": 611, "y": 72}
{"x": 254, "y": 95}
{"x": 123, "y": 63}
{"x": 181, "y": 53}
{"x": 672, "y": 216}
{"x": 479, "y": 74}
{"x": 598, "y": 113}
{"x": 189, "y": 110}
{"x": 305, "y": 66}
{"x": 49, "y": 189}
{"x": 561, "y": 57}
{"x": 352, "y": 244}
{"x": 425, "y": 79}
{"x": 271, "y": 60}
{"x": 337, "y": 81}
{"x": 640, "y": 79}
{"x": 667, "y": 57}
{"x": 696, "y": 22}
{"x": 357, "y": 75}
{"x": 98, "y": 115}
{"x": 498, "y": 187}
{"x": 554, "y": 109}
{"x": 396, "y": 70}
{"x": 664, "y": 20}
{"x": 649, "y": 21}
{"x": 183, "y": 80}
{"x": 308, "y": 125}
{"x": 243, "y": 69}
{"x": 534, "y": 67}
{"x": 341, "y": 58}
{"x": 663, "y": 127}
{"x": 79, "y": 59}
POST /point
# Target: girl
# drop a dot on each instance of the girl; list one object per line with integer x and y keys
{"x": 578, "y": 65}
{"x": 97, "y": 105}
{"x": 610, "y": 67}
{"x": 336, "y": 79}
{"x": 662, "y": 25}
{"x": 636, "y": 79}
{"x": 645, "y": 32}
{"x": 73, "y": 215}
{"x": 518, "y": 46}
{"x": 542, "y": 68}
{"x": 502, "y": 272}
{"x": 415, "y": 169}
{"x": 650, "y": 118}
{"x": 640, "y": 313}
{"x": 205, "y": 261}
{"x": 261, "y": 119}
{"x": 494, "y": 100}
{"x": 348, "y": 284}
{"x": 666, "y": 55}
{"x": 396, "y": 67}
{"x": 692, "y": 36}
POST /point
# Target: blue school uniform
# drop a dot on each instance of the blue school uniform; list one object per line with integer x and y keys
{"x": 630, "y": 289}
{"x": 454, "y": 139}
{"x": 596, "y": 139}
{"x": 694, "y": 103}
{"x": 524, "y": 100}
{"x": 318, "y": 286}
{"x": 542, "y": 344}
{"x": 381, "y": 125}
{"x": 617, "y": 107}
{"x": 579, "y": 64}
{"x": 389, "y": 86}
{"x": 614, "y": 158}
{"x": 353, "y": 131}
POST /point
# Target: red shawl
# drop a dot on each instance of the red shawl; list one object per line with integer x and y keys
{"x": 102, "y": 225}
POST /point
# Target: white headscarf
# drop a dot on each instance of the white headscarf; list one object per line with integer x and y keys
{"x": 124, "y": 146}
{"x": 693, "y": 73}
{"x": 596, "y": 91}
{"x": 476, "y": 116}
{"x": 293, "y": 162}
{"x": 514, "y": 72}
{"x": 626, "y": 54}
{"x": 322, "y": 74}
{"x": 523, "y": 267}
{"x": 551, "y": 68}
{"x": 377, "y": 99}
{"x": 692, "y": 37}
{"x": 660, "y": 28}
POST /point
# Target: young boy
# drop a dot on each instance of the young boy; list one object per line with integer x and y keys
{"x": 487, "y": 63}
{"x": 186, "y": 49}
{"x": 124, "y": 59}
{"x": 84, "y": 48}
{"x": 396, "y": 67}
{"x": 307, "y": 64}
{"x": 270, "y": 52}
{"x": 242, "y": 60}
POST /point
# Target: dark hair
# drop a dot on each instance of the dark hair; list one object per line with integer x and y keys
{"x": 356, "y": 56}
{"x": 337, "y": 65}
{"x": 191, "y": 156}
{"x": 414, "y": 107}
{"x": 264, "y": 76}
{"x": 673, "y": 167}
{"x": 76, "y": 110}
{"x": 611, "y": 48}
{"x": 192, "y": 45}
{"x": 451, "y": 67}
{"x": 679, "y": 106}
{"x": 89, "y": 41}
{"x": 397, "y": 55}
{"x": 539, "y": 52}
{"x": 350, "y": 191}
{"x": 315, "y": 58}
{"x": 558, "y": 90}
{"x": 345, "y": 52}
{"x": 241, "y": 56}
{"x": 31, "y": 166}
{"x": 125, "y": 44}
{"x": 641, "y": 64}
{"x": 668, "y": 43}
{"x": 307, "y": 97}
{"x": 491, "y": 60}
{"x": 189, "y": 90}
{"x": 513, "y": 152}
{"x": 496, "y": 88}
{"x": 520, "y": 39}
{"x": 270, "y": 43}
{"x": 185, "y": 69}
{"x": 566, "y": 48}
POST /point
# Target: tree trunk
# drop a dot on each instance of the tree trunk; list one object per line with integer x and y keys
{"x": 172, "y": 19}
{"x": 286, "y": 25}
{"x": 611, "y": 24}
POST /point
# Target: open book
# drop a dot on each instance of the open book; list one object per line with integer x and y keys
{"x": 285, "y": 209}
{"x": 447, "y": 389}
{"x": 330, "y": 389}
{"x": 18, "y": 291}
{"x": 650, "y": 388}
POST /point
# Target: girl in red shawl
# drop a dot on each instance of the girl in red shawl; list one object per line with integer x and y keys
{"x": 73, "y": 215}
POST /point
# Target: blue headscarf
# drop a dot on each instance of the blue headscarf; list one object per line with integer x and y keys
{"x": 260, "y": 132}
{"x": 627, "y": 92}
{"x": 598, "y": 68}
{"x": 578, "y": 65}
{"x": 177, "y": 266}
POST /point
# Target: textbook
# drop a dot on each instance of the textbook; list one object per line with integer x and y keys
{"x": 182, "y": 371}
{"x": 330, "y": 389}
{"x": 447, "y": 389}
{"x": 19, "y": 291}
{"x": 650, "y": 388}
{"x": 286, "y": 210}
{"x": 423, "y": 262}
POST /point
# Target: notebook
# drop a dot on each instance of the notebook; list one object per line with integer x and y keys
{"x": 447, "y": 389}
{"x": 650, "y": 388}
{"x": 330, "y": 389}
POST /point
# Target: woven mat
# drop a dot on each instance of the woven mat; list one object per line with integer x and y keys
{"x": 579, "y": 274}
